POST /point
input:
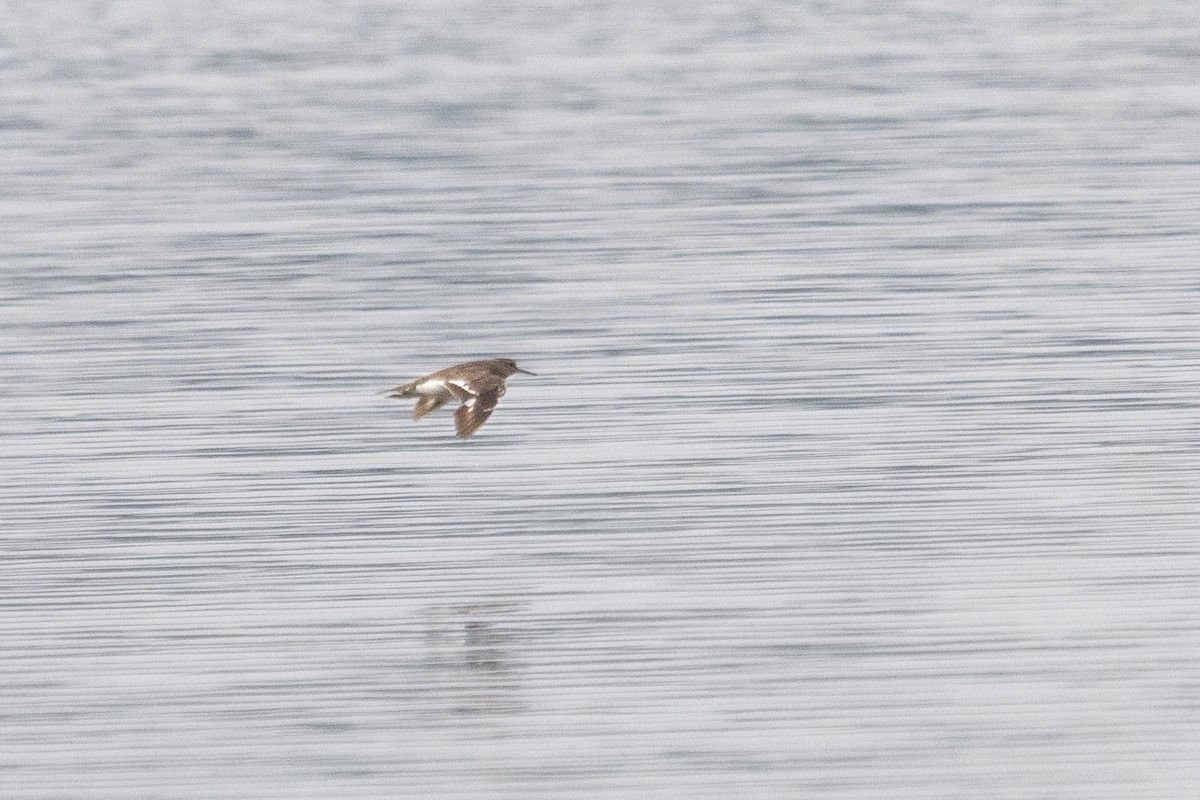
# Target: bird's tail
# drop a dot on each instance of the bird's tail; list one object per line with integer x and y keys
{"x": 403, "y": 391}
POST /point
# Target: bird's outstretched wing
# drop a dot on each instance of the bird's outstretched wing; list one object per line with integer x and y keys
{"x": 471, "y": 415}
{"x": 427, "y": 405}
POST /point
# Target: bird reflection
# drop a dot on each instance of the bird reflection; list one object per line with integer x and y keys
{"x": 470, "y": 649}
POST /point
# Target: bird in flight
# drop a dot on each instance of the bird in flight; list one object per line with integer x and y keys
{"x": 477, "y": 385}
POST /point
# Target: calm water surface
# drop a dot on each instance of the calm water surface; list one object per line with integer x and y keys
{"x": 862, "y": 459}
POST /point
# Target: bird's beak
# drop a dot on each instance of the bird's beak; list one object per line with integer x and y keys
{"x": 527, "y": 372}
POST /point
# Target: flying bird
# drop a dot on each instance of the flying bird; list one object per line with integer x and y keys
{"x": 477, "y": 385}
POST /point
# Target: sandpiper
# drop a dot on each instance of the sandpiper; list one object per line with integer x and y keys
{"x": 478, "y": 385}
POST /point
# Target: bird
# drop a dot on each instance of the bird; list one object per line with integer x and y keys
{"x": 477, "y": 385}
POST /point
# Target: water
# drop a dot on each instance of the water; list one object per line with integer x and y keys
{"x": 861, "y": 460}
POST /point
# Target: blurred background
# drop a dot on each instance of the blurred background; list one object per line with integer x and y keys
{"x": 862, "y": 455}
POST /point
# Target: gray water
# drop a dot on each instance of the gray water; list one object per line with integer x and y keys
{"x": 861, "y": 461}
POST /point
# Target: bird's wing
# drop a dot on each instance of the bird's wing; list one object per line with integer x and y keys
{"x": 427, "y": 405}
{"x": 471, "y": 415}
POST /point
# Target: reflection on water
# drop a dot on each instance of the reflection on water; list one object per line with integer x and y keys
{"x": 860, "y": 460}
{"x": 472, "y": 655}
